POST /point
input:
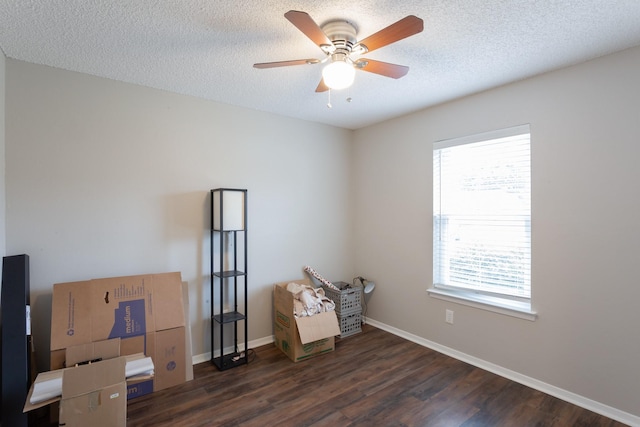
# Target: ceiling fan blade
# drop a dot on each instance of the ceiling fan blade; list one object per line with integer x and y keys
{"x": 322, "y": 87}
{"x": 383, "y": 68}
{"x": 286, "y": 63}
{"x": 404, "y": 28}
{"x": 308, "y": 26}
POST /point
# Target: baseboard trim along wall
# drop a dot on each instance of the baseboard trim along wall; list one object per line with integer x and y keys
{"x": 592, "y": 405}
{"x": 206, "y": 357}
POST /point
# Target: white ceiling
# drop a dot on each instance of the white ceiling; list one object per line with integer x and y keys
{"x": 206, "y": 48}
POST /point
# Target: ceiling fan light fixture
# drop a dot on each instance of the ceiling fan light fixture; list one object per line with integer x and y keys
{"x": 337, "y": 40}
{"x": 338, "y": 75}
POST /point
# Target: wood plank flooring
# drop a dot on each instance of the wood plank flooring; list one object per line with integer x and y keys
{"x": 372, "y": 379}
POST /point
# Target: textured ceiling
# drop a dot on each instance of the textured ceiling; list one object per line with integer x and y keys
{"x": 207, "y": 48}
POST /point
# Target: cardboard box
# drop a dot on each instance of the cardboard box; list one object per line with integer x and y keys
{"x": 188, "y": 354}
{"x": 103, "y": 350}
{"x": 92, "y": 352}
{"x": 141, "y": 384}
{"x": 70, "y": 306}
{"x": 117, "y": 307}
{"x": 301, "y": 338}
{"x": 76, "y": 354}
{"x": 147, "y": 313}
{"x": 173, "y": 366}
{"x": 168, "y": 354}
{"x": 81, "y": 353}
{"x": 93, "y": 394}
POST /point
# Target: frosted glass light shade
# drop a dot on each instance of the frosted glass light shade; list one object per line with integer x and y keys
{"x": 338, "y": 75}
{"x": 233, "y": 206}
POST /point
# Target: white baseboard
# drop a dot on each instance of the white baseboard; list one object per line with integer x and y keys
{"x": 592, "y": 405}
{"x": 205, "y": 357}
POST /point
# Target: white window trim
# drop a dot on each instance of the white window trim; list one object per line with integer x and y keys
{"x": 495, "y": 304}
{"x": 521, "y": 310}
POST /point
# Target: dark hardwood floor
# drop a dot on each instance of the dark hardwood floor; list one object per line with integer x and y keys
{"x": 372, "y": 379}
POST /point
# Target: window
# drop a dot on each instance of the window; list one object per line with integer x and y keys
{"x": 482, "y": 220}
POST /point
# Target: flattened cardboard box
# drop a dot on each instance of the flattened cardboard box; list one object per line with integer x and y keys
{"x": 188, "y": 355}
{"x": 147, "y": 312}
{"x": 305, "y": 337}
{"x": 70, "y": 314}
{"x": 117, "y": 307}
{"x": 167, "y": 350}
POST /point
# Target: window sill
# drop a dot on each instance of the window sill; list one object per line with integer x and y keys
{"x": 485, "y": 302}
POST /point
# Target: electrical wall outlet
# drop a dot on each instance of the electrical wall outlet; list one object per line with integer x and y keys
{"x": 449, "y": 316}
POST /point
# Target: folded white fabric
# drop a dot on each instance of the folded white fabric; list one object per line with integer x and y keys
{"x": 309, "y": 300}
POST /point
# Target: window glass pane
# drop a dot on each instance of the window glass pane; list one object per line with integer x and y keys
{"x": 482, "y": 215}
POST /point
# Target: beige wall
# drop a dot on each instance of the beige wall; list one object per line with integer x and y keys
{"x": 109, "y": 179}
{"x": 106, "y": 178}
{"x": 585, "y": 127}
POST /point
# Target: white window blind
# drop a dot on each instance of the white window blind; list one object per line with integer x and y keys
{"x": 482, "y": 214}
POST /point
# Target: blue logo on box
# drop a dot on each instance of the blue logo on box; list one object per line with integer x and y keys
{"x": 139, "y": 389}
{"x": 129, "y": 320}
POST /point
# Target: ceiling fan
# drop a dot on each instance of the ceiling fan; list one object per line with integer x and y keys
{"x": 337, "y": 39}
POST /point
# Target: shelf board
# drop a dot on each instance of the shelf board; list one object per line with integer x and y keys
{"x": 230, "y": 317}
{"x": 230, "y": 273}
{"x": 232, "y": 360}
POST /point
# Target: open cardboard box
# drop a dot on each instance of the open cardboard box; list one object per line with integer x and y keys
{"x": 48, "y": 385}
{"x": 301, "y": 338}
{"x": 94, "y": 394}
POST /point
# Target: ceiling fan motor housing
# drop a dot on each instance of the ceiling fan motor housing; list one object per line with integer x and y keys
{"x": 343, "y": 36}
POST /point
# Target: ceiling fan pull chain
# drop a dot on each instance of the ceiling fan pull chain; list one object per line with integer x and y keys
{"x": 329, "y": 103}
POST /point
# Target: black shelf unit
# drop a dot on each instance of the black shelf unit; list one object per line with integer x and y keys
{"x": 228, "y": 277}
